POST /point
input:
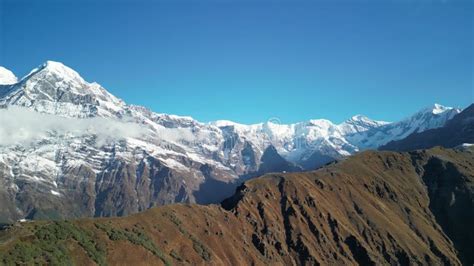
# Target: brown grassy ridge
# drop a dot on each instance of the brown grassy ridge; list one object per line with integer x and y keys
{"x": 372, "y": 208}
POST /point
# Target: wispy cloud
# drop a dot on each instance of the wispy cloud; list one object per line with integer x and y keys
{"x": 23, "y": 126}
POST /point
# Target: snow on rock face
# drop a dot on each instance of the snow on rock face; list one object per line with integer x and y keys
{"x": 431, "y": 117}
{"x": 438, "y": 109}
{"x": 58, "y": 69}
{"x": 299, "y": 140}
{"x": 7, "y": 77}
{"x": 360, "y": 123}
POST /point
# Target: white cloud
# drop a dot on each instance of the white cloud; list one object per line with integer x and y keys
{"x": 180, "y": 135}
{"x": 23, "y": 126}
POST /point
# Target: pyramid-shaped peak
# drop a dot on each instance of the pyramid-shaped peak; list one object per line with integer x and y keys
{"x": 60, "y": 70}
{"x": 55, "y": 88}
{"x": 436, "y": 109}
{"x": 55, "y": 69}
{"x": 55, "y": 65}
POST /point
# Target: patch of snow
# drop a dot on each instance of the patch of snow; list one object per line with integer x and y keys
{"x": 7, "y": 77}
{"x": 438, "y": 109}
{"x": 173, "y": 164}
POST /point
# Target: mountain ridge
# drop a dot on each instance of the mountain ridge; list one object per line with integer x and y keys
{"x": 457, "y": 131}
{"x": 95, "y": 148}
{"x": 374, "y": 208}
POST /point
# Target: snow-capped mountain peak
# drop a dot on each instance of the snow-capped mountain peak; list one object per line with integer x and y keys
{"x": 437, "y": 109}
{"x": 430, "y": 117}
{"x": 61, "y": 70}
{"x": 55, "y": 72}
{"x": 427, "y": 118}
{"x": 65, "y": 79}
{"x": 320, "y": 123}
{"x": 54, "y": 88}
{"x": 359, "y": 123}
{"x": 360, "y": 118}
{"x": 7, "y": 77}
{"x": 224, "y": 123}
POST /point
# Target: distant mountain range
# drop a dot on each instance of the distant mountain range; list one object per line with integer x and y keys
{"x": 69, "y": 148}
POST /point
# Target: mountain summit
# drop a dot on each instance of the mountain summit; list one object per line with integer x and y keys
{"x": 437, "y": 109}
{"x": 457, "y": 131}
{"x": 58, "y": 69}
{"x": 54, "y": 88}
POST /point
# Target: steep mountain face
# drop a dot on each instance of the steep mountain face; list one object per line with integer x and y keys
{"x": 56, "y": 89}
{"x": 457, "y": 131}
{"x": 69, "y": 148}
{"x": 374, "y": 208}
{"x": 452, "y": 203}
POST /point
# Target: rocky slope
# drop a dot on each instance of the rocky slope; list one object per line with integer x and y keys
{"x": 69, "y": 148}
{"x": 457, "y": 131}
{"x": 374, "y": 208}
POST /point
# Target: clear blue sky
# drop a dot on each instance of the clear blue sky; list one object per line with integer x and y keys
{"x": 248, "y": 61}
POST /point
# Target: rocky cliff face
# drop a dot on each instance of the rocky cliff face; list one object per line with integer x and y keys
{"x": 375, "y": 208}
{"x": 451, "y": 192}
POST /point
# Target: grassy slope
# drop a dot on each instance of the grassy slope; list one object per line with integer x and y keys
{"x": 372, "y": 208}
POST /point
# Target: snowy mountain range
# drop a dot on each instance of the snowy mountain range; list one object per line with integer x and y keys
{"x": 69, "y": 148}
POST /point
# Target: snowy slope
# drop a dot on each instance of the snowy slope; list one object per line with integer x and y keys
{"x": 430, "y": 117}
{"x": 56, "y": 89}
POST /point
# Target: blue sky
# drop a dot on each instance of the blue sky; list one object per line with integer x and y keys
{"x": 249, "y": 61}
